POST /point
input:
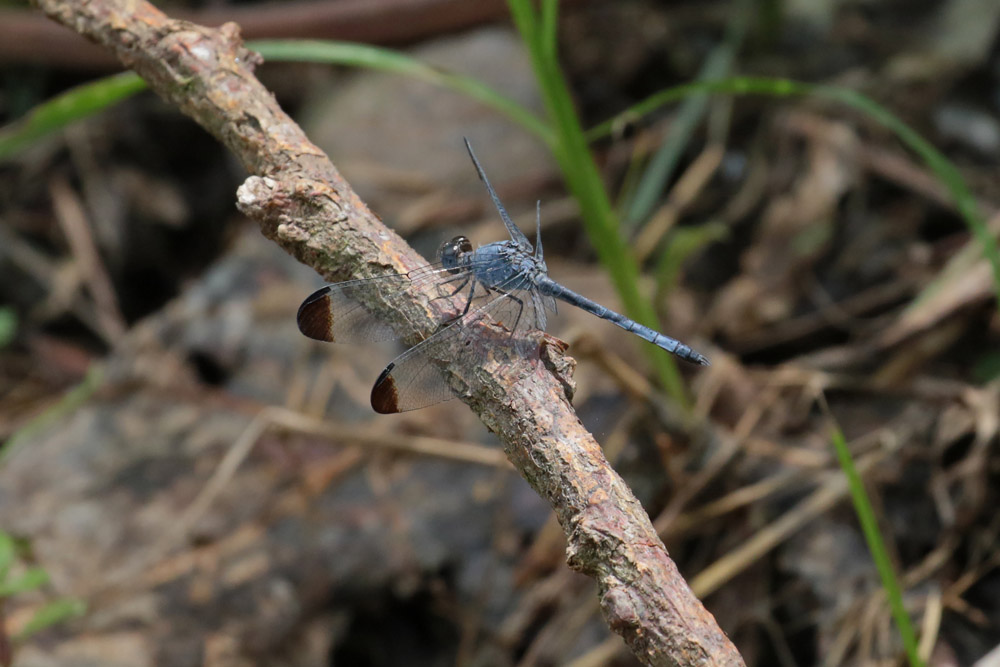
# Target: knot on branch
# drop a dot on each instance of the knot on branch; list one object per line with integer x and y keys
{"x": 621, "y": 610}
{"x": 292, "y": 210}
{"x": 552, "y": 352}
{"x": 592, "y": 541}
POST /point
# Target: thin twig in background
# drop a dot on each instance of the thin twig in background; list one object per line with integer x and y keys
{"x": 304, "y": 205}
{"x": 70, "y": 214}
{"x": 369, "y": 21}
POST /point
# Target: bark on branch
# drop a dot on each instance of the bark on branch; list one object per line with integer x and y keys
{"x": 304, "y": 205}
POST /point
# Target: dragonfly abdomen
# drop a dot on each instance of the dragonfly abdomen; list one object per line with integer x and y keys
{"x": 548, "y": 286}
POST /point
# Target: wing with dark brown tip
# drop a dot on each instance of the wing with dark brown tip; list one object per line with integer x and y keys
{"x": 315, "y": 318}
{"x": 385, "y": 396}
{"x": 415, "y": 380}
{"x": 335, "y": 313}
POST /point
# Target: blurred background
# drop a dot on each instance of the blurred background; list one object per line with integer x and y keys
{"x": 187, "y": 480}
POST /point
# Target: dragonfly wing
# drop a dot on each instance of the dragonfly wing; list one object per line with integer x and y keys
{"x": 516, "y": 234}
{"x": 335, "y": 313}
{"x": 331, "y": 314}
{"x": 549, "y": 302}
{"x": 517, "y": 311}
{"x": 411, "y": 381}
{"x": 414, "y": 380}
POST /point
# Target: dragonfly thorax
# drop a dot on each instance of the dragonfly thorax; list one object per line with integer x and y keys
{"x": 451, "y": 252}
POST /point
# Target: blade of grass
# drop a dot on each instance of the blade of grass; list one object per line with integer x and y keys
{"x": 54, "y": 612}
{"x": 943, "y": 169}
{"x": 69, "y": 402}
{"x": 373, "y": 57}
{"x": 8, "y": 326}
{"x": 684, "y": 242}
{"x": 74, "y": 104}
{"x": 8, "y": 552}
{"x": 584, "y": 181}
{"x": 869, "y": 526}
{"x": 661, "y": 167}
{"x": 33, "y": 578}
{"x": 739, "y": 85}
{"x": 550, "y": 22}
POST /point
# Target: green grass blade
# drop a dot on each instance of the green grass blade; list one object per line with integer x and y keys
{"x": 373, "y": 57}
{"x": 661, "y": 168}
{"x": 943, "y": 169}
{"x": 74, "y": 104}
{"x": 869, "y": 526}
{"x": 684, "y": 242}
{"x": 692, "y": 111}
{"x": 51, "y": 614}
{"x": 69, "y": 402}
{"x": 32, "y": 579}
{"x": 550, "y": 23}
{"x": 8, "y": 326}
{"x": 572, "y": 153}
{"x": 946, "y": 172}
{"x": 8, "y": 552}
{"x": 739, "y": 85}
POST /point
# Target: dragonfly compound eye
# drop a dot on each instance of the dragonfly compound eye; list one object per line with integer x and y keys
{"x": 453, "y": 249}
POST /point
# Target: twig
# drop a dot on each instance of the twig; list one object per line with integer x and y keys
{"x": 688, "y": 187}
{"x": 294, "y": 422}
{"x": 304, "y": 205}
{"x": 61, "y": 285}
{"x": 73, "y": 220}
{"x": 25, "y": 37}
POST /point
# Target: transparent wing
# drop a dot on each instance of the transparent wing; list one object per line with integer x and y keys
{"x": 516, "y": 234}
{"x": 549, "y": 303}
{"x": 413, "y": 380}
{"x": 334, "y": 313}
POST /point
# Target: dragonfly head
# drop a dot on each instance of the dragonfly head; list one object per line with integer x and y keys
{"x": 451, "y": 252}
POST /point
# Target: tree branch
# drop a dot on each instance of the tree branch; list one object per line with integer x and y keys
{"x": 303, "y": 204}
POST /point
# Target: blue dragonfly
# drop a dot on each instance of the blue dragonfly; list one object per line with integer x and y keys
{"x": 503, "y": 284}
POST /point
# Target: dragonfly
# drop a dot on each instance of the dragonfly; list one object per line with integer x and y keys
{"x": 502, "y": 285}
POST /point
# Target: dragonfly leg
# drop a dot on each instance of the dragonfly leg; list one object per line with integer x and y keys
{"x": 460, "y": 287}
{"x": 465, "y": 281}
{"x": 468, "y": 302}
